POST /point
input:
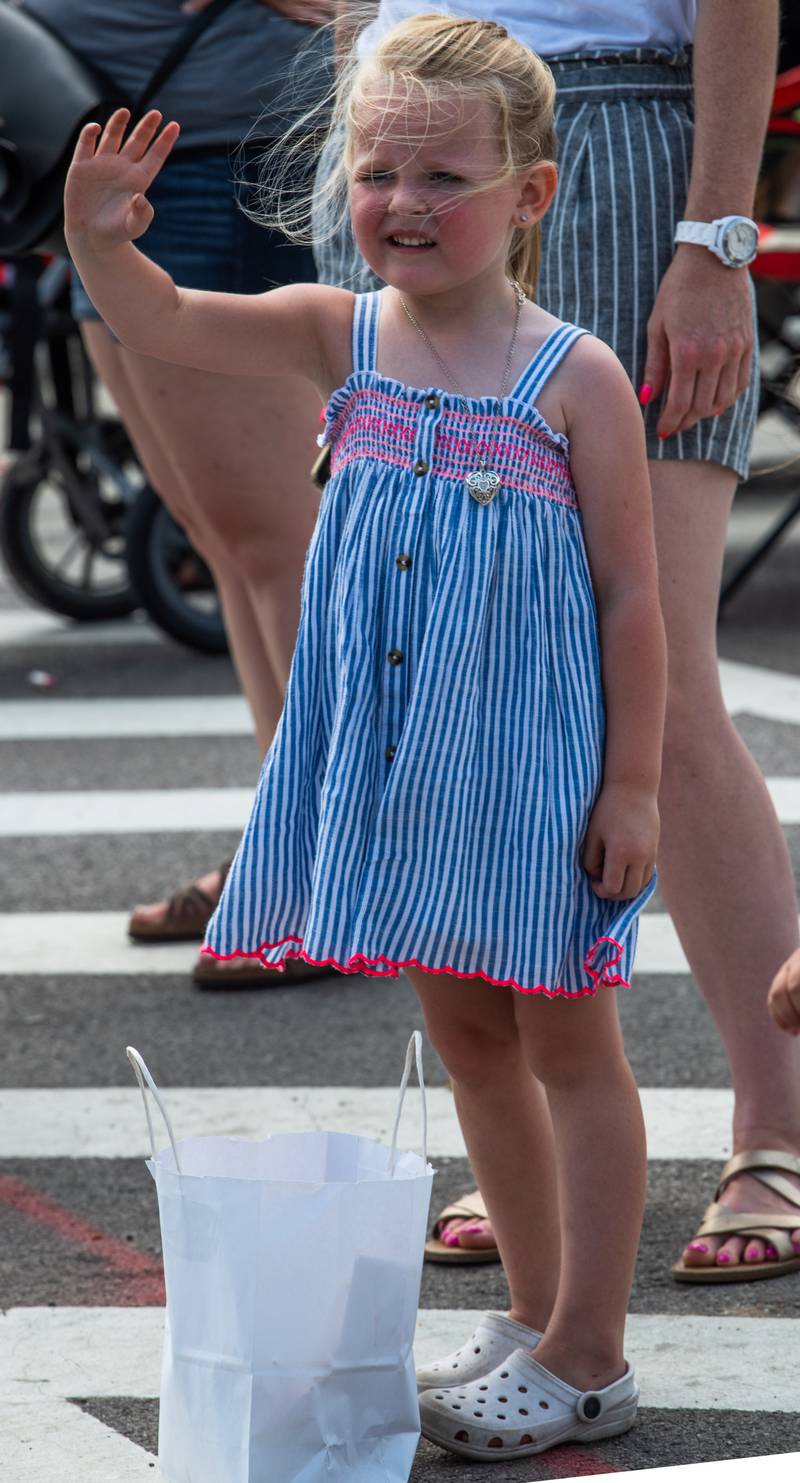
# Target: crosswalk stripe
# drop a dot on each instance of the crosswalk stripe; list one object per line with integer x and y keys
{"x": 746, "y": 687}
{"x": 95, "y": 942}
{"x": 26, "y": 628}
{"x": 52, "y": 719}
{"x": 108, "y": 1122}
{"x": 117, "y": 1351}
{"x": 45, "y": 1439}
{"x": 138, "y": 811}
{"x": 172, "y": 810}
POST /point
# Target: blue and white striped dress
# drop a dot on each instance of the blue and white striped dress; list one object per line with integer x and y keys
{"x": 440, "y": 748}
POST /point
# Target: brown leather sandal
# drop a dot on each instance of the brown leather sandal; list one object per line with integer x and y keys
{"x": 251, "y": 973}
{"x": 470, "y": 1207}
{"x": 767, "y": 1225}
{"x": 186, "y": 917}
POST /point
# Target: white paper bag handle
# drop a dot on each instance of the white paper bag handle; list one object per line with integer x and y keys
{"x": 142, "y": 1076}
{"x": 415, "y": 1046}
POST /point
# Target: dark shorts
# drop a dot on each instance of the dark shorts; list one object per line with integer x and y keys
{"x": 202, "y": 238}
{"x": 625, "y": 130}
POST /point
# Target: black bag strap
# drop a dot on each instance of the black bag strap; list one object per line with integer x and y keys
{"x": 191, "y": 33}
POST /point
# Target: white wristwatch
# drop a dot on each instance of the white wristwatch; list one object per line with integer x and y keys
{"x": 733, "y": 239}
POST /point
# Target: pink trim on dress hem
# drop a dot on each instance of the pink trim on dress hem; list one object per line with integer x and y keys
{"x": 360, "y": 964}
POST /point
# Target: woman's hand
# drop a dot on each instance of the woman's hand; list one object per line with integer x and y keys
{"x": 104, "y": 200}
{"x": 305, "y": 12}
{"x": 699, "y": 339}
{"x": 619, "y": 848}
{"x": 783, "y": 1000}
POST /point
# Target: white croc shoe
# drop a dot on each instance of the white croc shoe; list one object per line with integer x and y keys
{"x": 520, "y": 1408}
{"x": 493, "y": 1340}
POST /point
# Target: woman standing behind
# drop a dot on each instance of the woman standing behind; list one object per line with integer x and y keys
{"x": 208, "y": 442}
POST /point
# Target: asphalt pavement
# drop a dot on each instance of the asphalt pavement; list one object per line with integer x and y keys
{"x": 80, "y": 1274}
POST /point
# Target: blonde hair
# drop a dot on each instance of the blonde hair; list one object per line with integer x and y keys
{"x": 429, "y": 57}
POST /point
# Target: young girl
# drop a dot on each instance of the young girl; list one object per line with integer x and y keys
{"x": 463, "y": 781}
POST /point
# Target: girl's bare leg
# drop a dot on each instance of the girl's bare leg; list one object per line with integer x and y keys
{"x": 505, "y": 1120}
{"x": 568, "y": 1241}
{"x": 725, "y": 870}
{"x": 230, "y": 457}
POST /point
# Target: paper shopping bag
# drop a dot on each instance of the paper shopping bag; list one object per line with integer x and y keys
{"x": 292, "y": 1269}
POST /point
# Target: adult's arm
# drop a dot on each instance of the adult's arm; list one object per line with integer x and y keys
{"x": 700, "y": 333}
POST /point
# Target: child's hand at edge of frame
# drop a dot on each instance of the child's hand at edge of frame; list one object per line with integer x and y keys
{"x": 104, "y": 201}
{"x": 783, "y": 999}
{"x": 621, "y": 840}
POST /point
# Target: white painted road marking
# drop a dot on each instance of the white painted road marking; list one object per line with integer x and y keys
{"x": 54, "y": 1353}
{"x": 48, "y": 717}
{"x": 28, "y": 628}
{"x": 746, "y": 687}
{"x": 92, "y": 942}
{"x": 138, "y": 811}
{"x": 109, "y": 1122}
{"x": 172, "y": 810}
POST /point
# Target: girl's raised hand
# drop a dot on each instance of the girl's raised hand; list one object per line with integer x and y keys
{"x": 104, "y": 197}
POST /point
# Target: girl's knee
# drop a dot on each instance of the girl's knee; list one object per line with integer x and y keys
{"x": 471, "y": 1051}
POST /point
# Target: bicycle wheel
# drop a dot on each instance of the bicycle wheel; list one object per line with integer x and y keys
{"x": 173, "y": 583}
{"x": 50, "y": 555}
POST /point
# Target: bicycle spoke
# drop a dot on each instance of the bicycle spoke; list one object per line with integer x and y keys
{"x": 86, "y": 570}
{"x": 66, "y": 556}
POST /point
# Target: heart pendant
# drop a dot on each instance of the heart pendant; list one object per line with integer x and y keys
{"x": 483, "y": 485}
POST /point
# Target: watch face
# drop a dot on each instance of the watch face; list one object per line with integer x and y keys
{"x": 740, "y": 241}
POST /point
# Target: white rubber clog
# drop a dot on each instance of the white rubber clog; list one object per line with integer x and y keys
{"x": 520, "y": 1408}
{"x": 495, "y": 1337}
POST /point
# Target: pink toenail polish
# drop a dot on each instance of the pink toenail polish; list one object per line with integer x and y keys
{"x": 770, "y": 1251}
{"x": 698, "y": 1246}
{"x": 723, "y": 1256}
{"x": 471, "y": 1230}
{"x": 752, "y": 1253}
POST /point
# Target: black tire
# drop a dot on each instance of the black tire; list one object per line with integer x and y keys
{"x": 22, "y": 490}
{"x": 158, "y": 552}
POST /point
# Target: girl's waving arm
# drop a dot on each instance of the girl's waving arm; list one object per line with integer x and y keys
{"x": 106, "y": 209}
{"x": 609, "y": 467}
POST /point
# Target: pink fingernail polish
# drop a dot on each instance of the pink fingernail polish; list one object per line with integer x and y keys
{"x": 723, "y": 1256}
{"x": 698, "y": 1246}
{"x": 663, "y": 435}
{"x": 645, "y": 393}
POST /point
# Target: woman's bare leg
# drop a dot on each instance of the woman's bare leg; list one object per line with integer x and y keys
{"x": 724, "y": 865}
{"x": 230, "y": 458}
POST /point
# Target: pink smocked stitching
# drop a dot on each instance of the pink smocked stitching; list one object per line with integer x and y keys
{"x": 359, "y": 963}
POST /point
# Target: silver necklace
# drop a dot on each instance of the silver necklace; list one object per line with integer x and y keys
{"x": 483, "y": 483}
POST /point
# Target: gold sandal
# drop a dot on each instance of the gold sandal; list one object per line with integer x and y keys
{"x": 470, "y": 1207}
{"x": 769, "y": 1226}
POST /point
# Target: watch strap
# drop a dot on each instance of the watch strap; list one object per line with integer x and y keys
{"x": 704, "y": 233}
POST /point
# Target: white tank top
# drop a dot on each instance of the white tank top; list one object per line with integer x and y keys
{"x": 553, "y": 26}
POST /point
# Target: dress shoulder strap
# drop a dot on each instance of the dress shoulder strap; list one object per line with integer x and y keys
{"x": 365, "y": 330}
{"x": 549, "y": 355}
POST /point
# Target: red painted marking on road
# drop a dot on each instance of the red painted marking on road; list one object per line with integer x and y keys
{"x": 145, "y": 1284}
{"x": 576, "y": 1462}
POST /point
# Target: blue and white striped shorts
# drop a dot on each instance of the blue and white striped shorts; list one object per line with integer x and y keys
{"x": 625, "y": 129}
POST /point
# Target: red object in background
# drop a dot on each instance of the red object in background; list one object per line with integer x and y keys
{"x": 779, "y": 243}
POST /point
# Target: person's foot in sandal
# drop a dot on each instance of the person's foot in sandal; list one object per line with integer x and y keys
{"x": 185, "y": 916}
{"x": 763, "y": 1191}
{"x": 462, "y": 1237}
